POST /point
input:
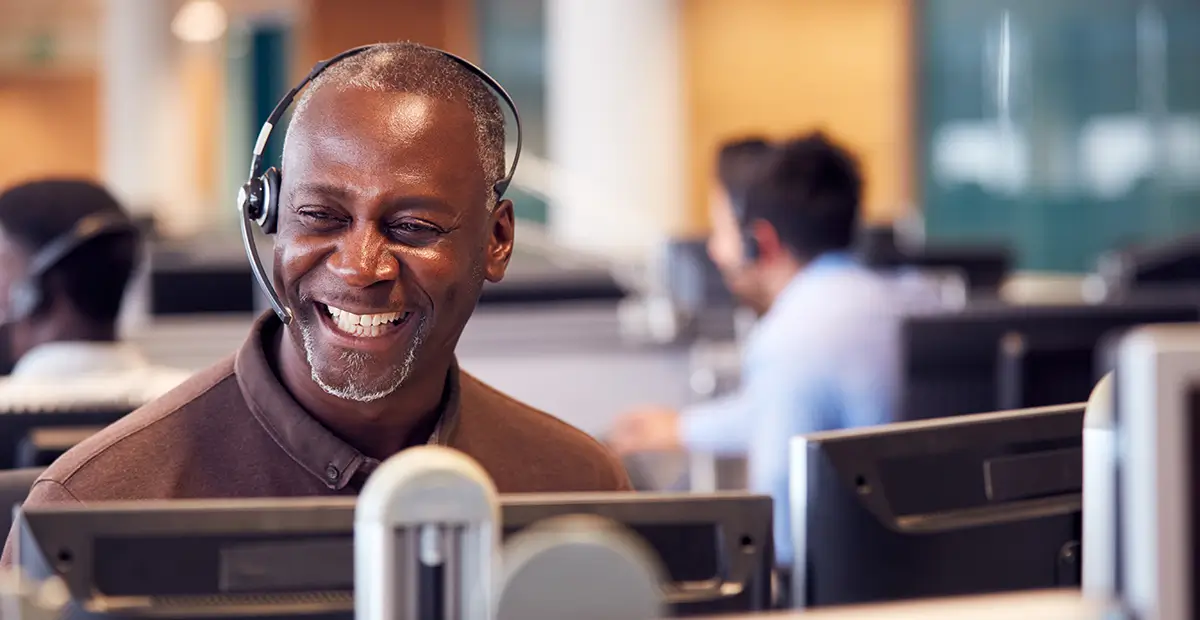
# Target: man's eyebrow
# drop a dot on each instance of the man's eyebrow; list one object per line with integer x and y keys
{"x": 309, "y": 188}
{"x": 419, "y": 201}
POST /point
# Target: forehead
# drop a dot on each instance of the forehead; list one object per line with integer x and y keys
{"x": 365, "y": 137}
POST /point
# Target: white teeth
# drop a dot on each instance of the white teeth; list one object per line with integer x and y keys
{"x": 362, "y": 325}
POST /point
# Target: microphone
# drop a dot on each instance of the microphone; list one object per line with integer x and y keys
{"x": 256, "y": 267}
{"x": 427, "y": 506}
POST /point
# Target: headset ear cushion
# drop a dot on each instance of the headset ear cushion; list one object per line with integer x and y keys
{"x": 270, "y": 217}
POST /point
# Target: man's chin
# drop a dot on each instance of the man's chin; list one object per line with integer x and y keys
{"x": 355, "y": 375}
{"x": 352, "y": 390}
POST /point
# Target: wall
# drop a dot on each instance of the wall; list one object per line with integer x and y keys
{"x": 49, "y": 122}
{"x": 784, "y": 66}
{"x": 201, "y": 70}
{"x": 335, "y": 25}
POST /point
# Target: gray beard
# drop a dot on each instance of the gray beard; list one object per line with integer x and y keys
{"x": 355, "y": 385}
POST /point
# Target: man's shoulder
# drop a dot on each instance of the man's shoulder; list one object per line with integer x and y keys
{"x": 138, "y": 439}
{"x": 515, "y": 427}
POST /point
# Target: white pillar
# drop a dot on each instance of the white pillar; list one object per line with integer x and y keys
{"x": 148, "y": 155}
{"x": 615, "y": 119}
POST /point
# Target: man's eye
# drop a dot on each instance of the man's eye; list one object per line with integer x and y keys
{"x": 414, "y": 227}
{"x": 411, "y": 228}
{"x": 317, "y": 217}
{"x": 314, "y": 215}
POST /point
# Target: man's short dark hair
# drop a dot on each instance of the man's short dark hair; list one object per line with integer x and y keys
{"x": 414, "y": 68}
{"x": 739, "y": 161}
{"x": 95, "y": 275}
{"x": 810, "y": 191}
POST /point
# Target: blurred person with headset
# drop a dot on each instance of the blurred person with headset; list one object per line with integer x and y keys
{"x": 824, "y": 353}
{"x": 389, "y": 215}
{"x": 67, "y": 254}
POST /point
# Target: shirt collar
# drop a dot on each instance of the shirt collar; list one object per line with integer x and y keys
{"x": 55, "y": 360}
{"x": 299, "y": 434}
{"x": 827, "y": 263}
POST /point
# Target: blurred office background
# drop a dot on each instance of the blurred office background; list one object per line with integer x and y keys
{"x": 1050, "y": 134}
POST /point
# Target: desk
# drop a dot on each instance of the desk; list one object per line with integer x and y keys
{"x": 1046, "y": 605}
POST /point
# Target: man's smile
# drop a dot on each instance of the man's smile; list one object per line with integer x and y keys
{"x": 376, "y": 331}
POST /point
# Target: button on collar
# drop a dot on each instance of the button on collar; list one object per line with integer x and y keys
{"x": 332, "y": 473}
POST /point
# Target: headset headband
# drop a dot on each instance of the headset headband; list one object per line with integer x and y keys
{"x": 86, "y": 229}
{"x": 264, "y": 134}
{"x": 25, "y": 295}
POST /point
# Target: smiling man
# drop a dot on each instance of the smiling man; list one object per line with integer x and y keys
{"x": 388, "y": 228}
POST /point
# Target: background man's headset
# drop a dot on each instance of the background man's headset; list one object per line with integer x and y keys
{"x": 27, "y": 295}
{"x": 750, "y": 249}
{"x": 258, "y": 199}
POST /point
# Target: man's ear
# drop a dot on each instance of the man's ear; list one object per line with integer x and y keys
{"x": 501, "y": 231}
{"x": 769, "y": 245}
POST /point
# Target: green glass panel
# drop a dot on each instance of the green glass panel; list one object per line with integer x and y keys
{"x": 1065, "y": 128}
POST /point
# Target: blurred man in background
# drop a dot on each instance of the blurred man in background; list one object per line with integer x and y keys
{"x": 714, "y": 426}
{"x": 67, "y": 253}
{"x": 824, "y": 352}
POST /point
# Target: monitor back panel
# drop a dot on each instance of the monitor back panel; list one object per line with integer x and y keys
{"x": 952, "y": 364}
{"x": 970, "y": 505}
{"x": 284, "y": 559}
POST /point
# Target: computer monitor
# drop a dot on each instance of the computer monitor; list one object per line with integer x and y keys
{"x": 1053, "y": 368}
{"x": 966, "y": 505}
{"x": 293, "y": 558}
{"x": 21, "y": 423}
{"x": 705, "y": 308}
{"x": 982, "y": 268}
{"x": 1157, "y": 424}
{"x": 998, "y": 357}
{"x": 1158, "y": 266}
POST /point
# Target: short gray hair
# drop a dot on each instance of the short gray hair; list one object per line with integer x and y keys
{"x": 414, "y": 68}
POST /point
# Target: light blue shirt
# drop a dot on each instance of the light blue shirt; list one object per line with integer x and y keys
{"x": 825, "y": 356}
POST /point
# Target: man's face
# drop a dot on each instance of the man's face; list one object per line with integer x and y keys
{"x": 13, "y": 261}
{"x": 727, "y": 251}
{"x": 385, "y": 236}
{"x": 15, "y": 339}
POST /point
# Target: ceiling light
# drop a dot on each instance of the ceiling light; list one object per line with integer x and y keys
{"x": 200, "y": 21}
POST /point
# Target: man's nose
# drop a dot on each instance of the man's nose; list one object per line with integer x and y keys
{"x": 364, "y": 258}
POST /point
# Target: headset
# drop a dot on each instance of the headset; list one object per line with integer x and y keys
{"x": 27, "y": 295}
{"x": 750, "y": 249}
{"x": 258, "y": 199}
